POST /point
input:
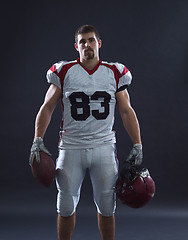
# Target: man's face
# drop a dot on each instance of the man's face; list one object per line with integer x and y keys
{"x": 88, "y": 46}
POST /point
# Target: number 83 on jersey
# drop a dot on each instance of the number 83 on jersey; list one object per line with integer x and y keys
{"x": 80, "y": 105}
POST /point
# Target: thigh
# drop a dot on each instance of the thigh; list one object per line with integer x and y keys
{"x": 69, "y": 171}
{"x": 104, "y": 173}
{"x": 104, "y": 168}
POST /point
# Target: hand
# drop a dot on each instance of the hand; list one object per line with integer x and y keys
{"x": 132, "y": 164}
{"x": 37, "y": 146}
{"x": 136, "y": 155}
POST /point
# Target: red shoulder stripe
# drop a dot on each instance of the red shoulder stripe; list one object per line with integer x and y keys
{"x": 117, "y": 73}
{"x": 64, "y": 70}
{"x": 54, "y": 70}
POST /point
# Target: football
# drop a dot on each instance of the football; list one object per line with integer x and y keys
{"x": 44, "y": 172}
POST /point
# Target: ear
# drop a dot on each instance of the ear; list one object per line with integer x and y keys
{"x": 100, "y": 43}
{"x": 76, "y": 46}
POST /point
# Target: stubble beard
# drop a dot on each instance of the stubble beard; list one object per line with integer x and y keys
{"x": 89, "y": 55}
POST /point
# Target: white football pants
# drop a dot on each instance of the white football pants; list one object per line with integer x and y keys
{"x": 70, "y": 171}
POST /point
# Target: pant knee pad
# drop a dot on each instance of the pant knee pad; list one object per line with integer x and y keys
{"x": 66, "y": 204}
{"x": 106, "y": 203}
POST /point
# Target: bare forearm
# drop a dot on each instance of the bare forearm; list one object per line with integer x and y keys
{"x": 42, "y": 121}
{"x": 131, "y": 125}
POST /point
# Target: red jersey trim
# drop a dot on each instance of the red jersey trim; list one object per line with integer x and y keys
{"x": 61, "y": 76}
{"x": 90, "y": 72}
{"x": 63, "y": 71}
{"x": 54, "y": 70}
{"x": 117, "y": 73}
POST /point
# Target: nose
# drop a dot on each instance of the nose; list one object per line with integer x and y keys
{"x": 87, "y": 44}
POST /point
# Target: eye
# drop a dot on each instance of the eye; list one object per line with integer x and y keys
{"x": 91, "y": 40}
{"x": 82, "y": 41}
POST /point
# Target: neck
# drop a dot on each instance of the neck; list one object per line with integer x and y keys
{"x": 89, "y": 64}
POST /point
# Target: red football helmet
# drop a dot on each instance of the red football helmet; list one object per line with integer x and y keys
{"x": 137, "y": 192}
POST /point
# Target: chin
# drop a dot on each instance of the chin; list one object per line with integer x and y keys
{"x": 89, "y": 58}
{"x": 89, "y": 55}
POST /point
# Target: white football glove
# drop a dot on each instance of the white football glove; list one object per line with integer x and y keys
{"x": 135, "y": 155}
{"x": 131, "y": 165}
{"x": 37, "y": 146}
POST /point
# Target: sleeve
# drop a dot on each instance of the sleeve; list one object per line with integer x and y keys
{"x": 125, "y": 77}
{"x": 53, "y": 75}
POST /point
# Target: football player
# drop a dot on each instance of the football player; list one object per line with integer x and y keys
{"x": 89, "y": 90}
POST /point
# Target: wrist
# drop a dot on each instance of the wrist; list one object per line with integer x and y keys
{"x": 138, "y": 145}
{"x": 38, "y": 139}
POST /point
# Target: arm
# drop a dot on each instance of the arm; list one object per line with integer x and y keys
{"x": 131, "y": 125}
{"x": 128, "y": 116}
{"x": 44, "y": 115}
{"x": 42, "y": 121}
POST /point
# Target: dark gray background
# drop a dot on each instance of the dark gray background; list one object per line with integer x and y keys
{"x": 149, "y": 37}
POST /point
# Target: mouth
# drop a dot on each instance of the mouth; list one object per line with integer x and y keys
{"x": 89, "y": 53}
{"x": 89, "y": 50}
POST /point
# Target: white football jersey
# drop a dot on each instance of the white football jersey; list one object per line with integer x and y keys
{"x": 88, "y": 101}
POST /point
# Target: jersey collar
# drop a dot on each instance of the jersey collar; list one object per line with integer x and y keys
{"x": 90, "y": 72}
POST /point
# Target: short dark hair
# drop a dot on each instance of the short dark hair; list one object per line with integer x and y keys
{"x": 86, "y": 29}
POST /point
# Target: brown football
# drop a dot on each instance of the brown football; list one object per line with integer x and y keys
{"x": 44, "y": 172}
